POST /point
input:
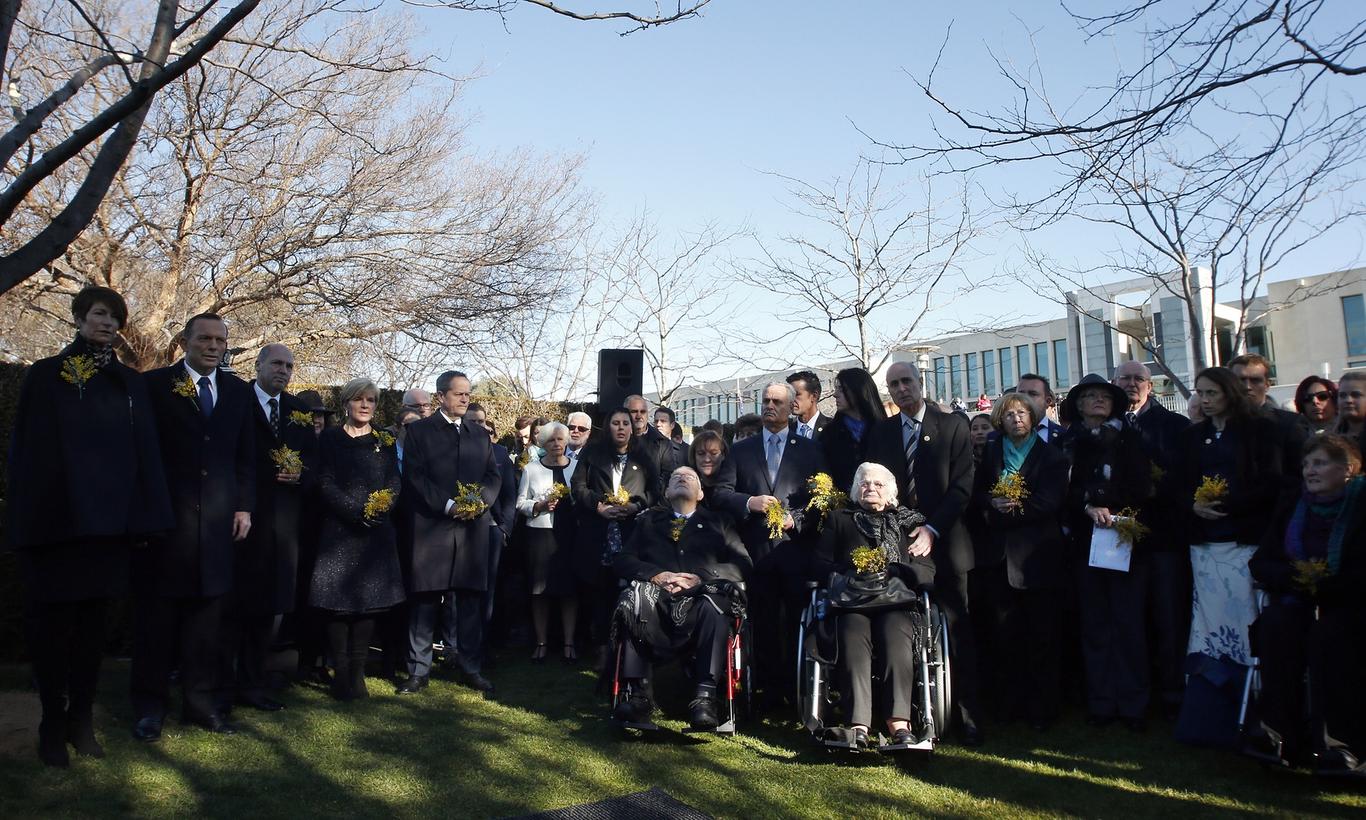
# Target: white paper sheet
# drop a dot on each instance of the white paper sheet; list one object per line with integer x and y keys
{"x": 1108, "y": 552}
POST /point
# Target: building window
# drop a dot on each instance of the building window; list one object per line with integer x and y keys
{"x": 989, "y": 372}
{"x": 1041, "y": 359}
{"x": 941, "y": 376}
{"x": 955, "y": 376}
{"x": 1007, "y": 372}
{"x": 1354, "y": 318}
{"x": 972, "y": 377}
{"x": 1022, "y": 359}
{"x": 1060, "y": 362}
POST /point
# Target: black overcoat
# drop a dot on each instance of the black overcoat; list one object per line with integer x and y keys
{"x": 708, "y": 547}
{"x": 1258, "y": 483}
{"x": 840, "y": 536}
{"x": 843, "y": 453}
{"x": 444, "y": 553}
{"x": 211, "y": 474}
{"x": 1160, "y": 430}
{"x": 267, "y": 563}
{"x": 943, "y": 477}
{"x": 1109, "y": 469}
{"x": 84, "y": 467}
{"x": 590, "y": 484}
{"x": 1029, "y": 541}
{"x": 744, "y": 474}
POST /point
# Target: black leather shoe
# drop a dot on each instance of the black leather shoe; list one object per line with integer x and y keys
{"x": 477, "y": 682}
{"x": 80, "y": 733}
{"x": 52, "y": 742}
{"x": 970, "y": 735}
{"x": 147, "y": 729}
{"x": 213, "y": 723}
{"x": 1339, "y": 763}
{"x": 262, "y": 704}
{"x": 702, "y": 714}
{"x": 413, "y": 685}
{"x": 633, "y": 709}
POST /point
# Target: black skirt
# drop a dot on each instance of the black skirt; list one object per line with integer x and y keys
{"x": 550, "y": 562}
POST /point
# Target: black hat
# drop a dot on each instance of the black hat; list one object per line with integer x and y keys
{"x": 314, "y": 402}
{"x": 1119, "y": 399}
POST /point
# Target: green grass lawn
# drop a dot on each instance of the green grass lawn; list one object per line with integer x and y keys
{"x": 544, "y": 743}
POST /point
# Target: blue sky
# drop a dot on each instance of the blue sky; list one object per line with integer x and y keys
{"x": 684, "y": 120}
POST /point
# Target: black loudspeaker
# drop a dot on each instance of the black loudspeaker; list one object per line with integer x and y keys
{"x": 620, "y": 374}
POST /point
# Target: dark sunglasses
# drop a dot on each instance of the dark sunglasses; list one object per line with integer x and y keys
{"x": 1322, "y": 395}
{"x": 574, "y": 428}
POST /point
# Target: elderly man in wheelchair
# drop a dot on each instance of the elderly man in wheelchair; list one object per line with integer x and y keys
{"x": 684, "y": 566}
{"x": 880, "y": 618}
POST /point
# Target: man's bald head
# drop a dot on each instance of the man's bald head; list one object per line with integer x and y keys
{"x": 274, "y": 368}
{"x": 1136, "y": 380}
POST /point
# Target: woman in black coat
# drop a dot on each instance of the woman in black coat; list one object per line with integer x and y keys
{"x": 1315, "y": 620}
{"x": 613, "y": 463}
{"x": 85, "y": 482}
{"x": 706, "y": 455}
{"x": 880, "y": 640}
{"x": 1110, "y": 473}
{"x": 356, "y": 572}
{"x": 1021, "y": 563}
{"x": 858, "y": 407}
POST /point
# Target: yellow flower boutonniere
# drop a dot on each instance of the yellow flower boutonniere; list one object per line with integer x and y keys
{"x": 383, "y": 439}
{"x": 302, "y": 418}
{"x": 287, "y": 461}
{"x": 676, "y": 528}
{"x": 774, "y": 514}
{"x": 469, "y": 501}
{"x": 824, "y": 496}
{"x": 78, "y": 370}
{"x": 868, "y": 560}
{"x": 617, "y": 498}
{"x": 184, "y": 386}
{"x": 1011, "y": 487}
{"x": 1307, "y": 574}
{"x": 1156, "y": 474}
{"x": 524, "y": 459}
{"x": 1211, "y": 489}
{"x": 378, "y": 503}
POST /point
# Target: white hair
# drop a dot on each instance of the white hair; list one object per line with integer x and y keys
{"x": 579, "y": 414}
{"x": 875, "y": 469}
{"x": 548, "y": 430}
{"x": 787, "y": 388}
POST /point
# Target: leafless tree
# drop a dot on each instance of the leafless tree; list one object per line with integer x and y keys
{"x": 309, "y": 183}
{"x": 874, "y": 266}
{"x": 50, "y": 57}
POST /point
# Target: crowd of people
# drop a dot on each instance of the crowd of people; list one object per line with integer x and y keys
{"x": 1094, "y": 546}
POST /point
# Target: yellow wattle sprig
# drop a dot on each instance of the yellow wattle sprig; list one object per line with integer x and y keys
{"x": 1127, "y": 526}
{"x": 302, "y": 418}
{"x": 1212, "y": 488}
{"x": 556, "y": 492}
{"x": 469, "y": 501}
{"x": 378, "y": 503}
{"x": 868, "y": 560}
{"x": 824, "y": 496}
{"x": 78, "y": 371}
{"x": 184, "y": 386}
{"x": 676, "y": 528}
{"x": 617, "y": 498}
{"x": 287, "y": 461}
{"x": 775, "y": 513}
{"x": 1307, "y": 574}
{"x": 1011, "y": 487}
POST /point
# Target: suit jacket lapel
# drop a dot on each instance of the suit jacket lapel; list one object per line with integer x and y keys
{"x": 924, "y": 449}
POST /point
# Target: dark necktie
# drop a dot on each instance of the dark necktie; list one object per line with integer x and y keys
{"x": 205, "y": 397}
{"x": 1131, "y": 417}
{"x": 275, "y": 416}
{"x": 773, "y": 459}
{"x": 912, "y": 444}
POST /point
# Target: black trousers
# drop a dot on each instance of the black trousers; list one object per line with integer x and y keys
{"x": 775, "y": 602}
{"x": 1290, "y": 641}
{"x": 951, "y": 594}
{"x": 886, "y": 639}
{"x": 1114, "y": 638}
{"x": 167, "y": 629}
{"x": 245, "y": 642}
{"x": 704, "y": 632}
{"x": 1169, "y": 615}
{"x": 66, "y": 643}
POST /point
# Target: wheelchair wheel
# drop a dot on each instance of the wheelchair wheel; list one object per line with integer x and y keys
{"x": 941, "y": 677}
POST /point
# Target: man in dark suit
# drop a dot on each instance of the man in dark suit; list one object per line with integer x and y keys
{"x": 267, "y": 562}
{"x": 1169, "y": 581}
{"x": 930, "y": 453}
{"x": 652, "y": 444}
{"x": 1255, "y": 373}
{"x": 773, "y": 466}
{"x": 447, "y": 549}
{"x": 682, "y": 549}
{"x": 1037, "y": 389}
{"x": 666, "y": 422}
{"x": 807, "y": 419}
{"x": 204, "y": 421}
{"x": 504, "y": 511}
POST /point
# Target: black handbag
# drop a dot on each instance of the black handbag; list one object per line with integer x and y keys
{"x": 869, "y": 593}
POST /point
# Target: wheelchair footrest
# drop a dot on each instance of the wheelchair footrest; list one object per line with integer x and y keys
{"x": 647, "y": 726}
{"x": 726, "y": 728}
{"x": 926, "y": 745}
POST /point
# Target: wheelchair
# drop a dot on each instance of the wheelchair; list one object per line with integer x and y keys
{"x": 815, "y": 670}
{"x": 735, "y": 690}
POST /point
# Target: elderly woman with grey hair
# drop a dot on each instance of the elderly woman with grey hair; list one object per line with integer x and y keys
{"x": 877, "y": 643}
{"x": 544, "y": 501}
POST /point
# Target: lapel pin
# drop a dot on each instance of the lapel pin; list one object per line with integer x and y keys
{"x": 793, "y": 441}
{"x": 634, "y": 467}
{"x": 927, "y": 438}
{"x": 1207, "y": 441}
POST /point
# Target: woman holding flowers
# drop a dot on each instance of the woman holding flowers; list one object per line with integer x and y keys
{"x": 85, "y": 483}
{"x": 1231, "y": 480}
{"x": 1111, "y": 478}
{"x": 870, "y": 536}
{"x": 544, "y": 500}
{"x": 612, "y": 484}
{"x": 1313, "y": 566}
{"x": 356, "y": 572}
{"x": 1020, "y": 485}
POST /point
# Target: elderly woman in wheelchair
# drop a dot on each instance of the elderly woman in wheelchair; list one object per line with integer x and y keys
{"x": 879, "y": 612}
{"x": 1312, "y": 566}
{"x": 684, "y": 567}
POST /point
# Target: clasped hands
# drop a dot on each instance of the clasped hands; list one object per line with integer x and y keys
{"x": 614, "y": 512}
{"x": 675, "y": 582}
{"x": 1210, "y": 511}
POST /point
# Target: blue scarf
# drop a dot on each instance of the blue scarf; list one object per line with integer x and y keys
{"x": 1334, "y": 508}
{"x": 1015, "y": 455}
{"x": 856, "y": 427}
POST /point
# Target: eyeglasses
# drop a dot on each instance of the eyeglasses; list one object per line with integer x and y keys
{"x": 574, "y": 428}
